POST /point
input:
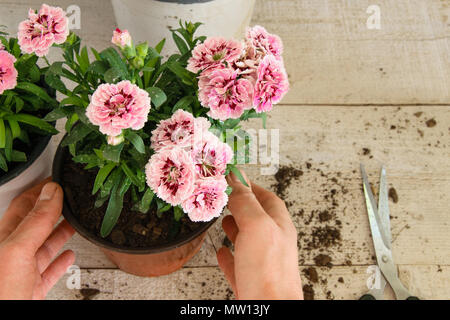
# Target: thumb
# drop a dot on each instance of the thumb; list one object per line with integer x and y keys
{"x": 38, "y": 224}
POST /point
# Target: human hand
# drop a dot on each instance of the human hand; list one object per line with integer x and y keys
{"x": 265, "y": 261}
{"x": 28, "y": 243}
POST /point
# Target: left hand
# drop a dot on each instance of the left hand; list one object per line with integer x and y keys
{"x": 29, "y": 243}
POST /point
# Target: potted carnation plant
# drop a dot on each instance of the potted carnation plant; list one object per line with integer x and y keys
{"x": 144, "y": 160}
{"x": 25, "y": 98}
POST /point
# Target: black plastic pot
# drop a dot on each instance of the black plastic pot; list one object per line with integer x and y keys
{"x": 149, "y": 261}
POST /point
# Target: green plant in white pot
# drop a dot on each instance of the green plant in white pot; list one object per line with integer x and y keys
{"x": 25, "y": 99}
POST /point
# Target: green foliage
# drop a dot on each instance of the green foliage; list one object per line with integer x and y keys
{"x": 23, "y": 108}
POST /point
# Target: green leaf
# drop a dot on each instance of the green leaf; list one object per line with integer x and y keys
{"x": 112, "y": 75}
{"x": 130, "y": 174}
{"x": 178, "y": 213}
{"x": 115, "y": 61}
{"x": 109, "y": 183}
{"x": 76, "y": 134}
{"x": 182, "y": 73}
{"x": 184, "y": 103}
{"x": 181, "y": 45}
{"x": 74, "y": 100}
{"x": 56, "y": 114}
{"x": 2, "y": 134}
{"x": 15, "y": 128}
{"x": 9, "y": 143}
{"x": 3, "y": 164}
{"x": 144, "y": 205}
{"x": 18, "y": 156}
{"x": 19, "y": 104}
{"x": 115, "y": 205}
{"x": 102, "y": 174}
{"x": 158, "y": 96}
{"x": 136, "y": 140}
{"x": 160, "y": 45}
{"x": 112, "y": 153}
{"x": 229, "y": 190}
{"x": 83, "y": 60}
{"x": 55, "y": 82}
{"x": 33, "y": 121}
{"x": 99, "y": 67}
{"x": 38, "y": 91}
{"x": 238, "y": 174}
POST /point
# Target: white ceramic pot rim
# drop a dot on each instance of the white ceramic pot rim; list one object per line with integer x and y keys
{"x": 32, "y": 157}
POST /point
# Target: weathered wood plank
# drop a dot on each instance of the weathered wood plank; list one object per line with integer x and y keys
{"x": 332, "y": 58}
{"x": 328, "y": 143}
{"x": 427, "y": 282}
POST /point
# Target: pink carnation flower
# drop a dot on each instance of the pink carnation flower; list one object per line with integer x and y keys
{"x": 121, "y": 38}
{"x": 207, "y": 201}
{"x": 171, "y": 175}
{"x": 226, "y": 95}
{"x": 271, "y": 85}
{"x": 211, "y": 157}
{"x": 181, "y": 130}
{"x": 213, "y": 52}
{"x": 8, "y": 73}
{"x": 42, "y": 30}
{"x": 118, "y": 106}
{"x": 261, "y": 43}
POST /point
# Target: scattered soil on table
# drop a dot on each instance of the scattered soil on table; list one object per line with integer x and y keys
{"x": 89, "y": 293}
{"x": 393, "y": 195}
{"x": 341, "y": 280}
{"x": 133, "y": 229}
{"x": 308, "y": 292}
{"x": 431, "y": 123}
{"x": 366, "y": 151}
{"x": 418, "y": 114}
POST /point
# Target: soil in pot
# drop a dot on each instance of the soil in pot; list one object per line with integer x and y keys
{"x": 133, "y": 229}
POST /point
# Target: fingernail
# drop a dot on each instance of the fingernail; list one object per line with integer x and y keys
{"x": 47, "y": 192}
{"x": 234, "y": 178}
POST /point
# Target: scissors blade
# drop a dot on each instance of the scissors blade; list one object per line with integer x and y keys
{"x": 372, "y": 211}
{"x": 383, "y": 208}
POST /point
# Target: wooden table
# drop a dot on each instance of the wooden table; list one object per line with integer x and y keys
{"x": 357, "y": 95}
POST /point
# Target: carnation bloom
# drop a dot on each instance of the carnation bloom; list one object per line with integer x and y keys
{"x": 171, "y": 175}
{"x": 121, "y": 38}
{"x": 271, "y": 84}
{"x": 207, "y": 201}
{"x": 42, "y": 29}
{"x": 118, "y": 106}
{"x": 226, "y": 95}
{"x": 261, "y": 43}
{"x": 8, "y": 73}
{"x": 211, "y": 156}
{"x": 181, "y": 130}
{"x": 213, "y": 52}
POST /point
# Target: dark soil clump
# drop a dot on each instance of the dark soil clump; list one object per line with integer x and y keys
{"x": 393, "y": 195}
{"x": 323, "y": 260}
{"x": 284, "y": 176}
{"x": 311, "y": 274}
{"x": 308, "y": 292}
{"x": 431, "y": 123}
{"x": 133, "y": 229}
{"x": 89, "y": 293}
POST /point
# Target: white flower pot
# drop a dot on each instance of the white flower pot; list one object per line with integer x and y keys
{"x": 26, "y": 174}
{"x": 149, "y": 20}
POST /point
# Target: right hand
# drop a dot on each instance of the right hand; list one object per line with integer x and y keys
{"x": 265, "y": 261}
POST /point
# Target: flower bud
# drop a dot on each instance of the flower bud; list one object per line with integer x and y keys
{"x": 142, "y": 49}
{"x": 115, "y": 140}
{"x": 122, "y": 38}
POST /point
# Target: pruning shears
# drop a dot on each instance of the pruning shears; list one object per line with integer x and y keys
{"x": 380, "y": 226}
